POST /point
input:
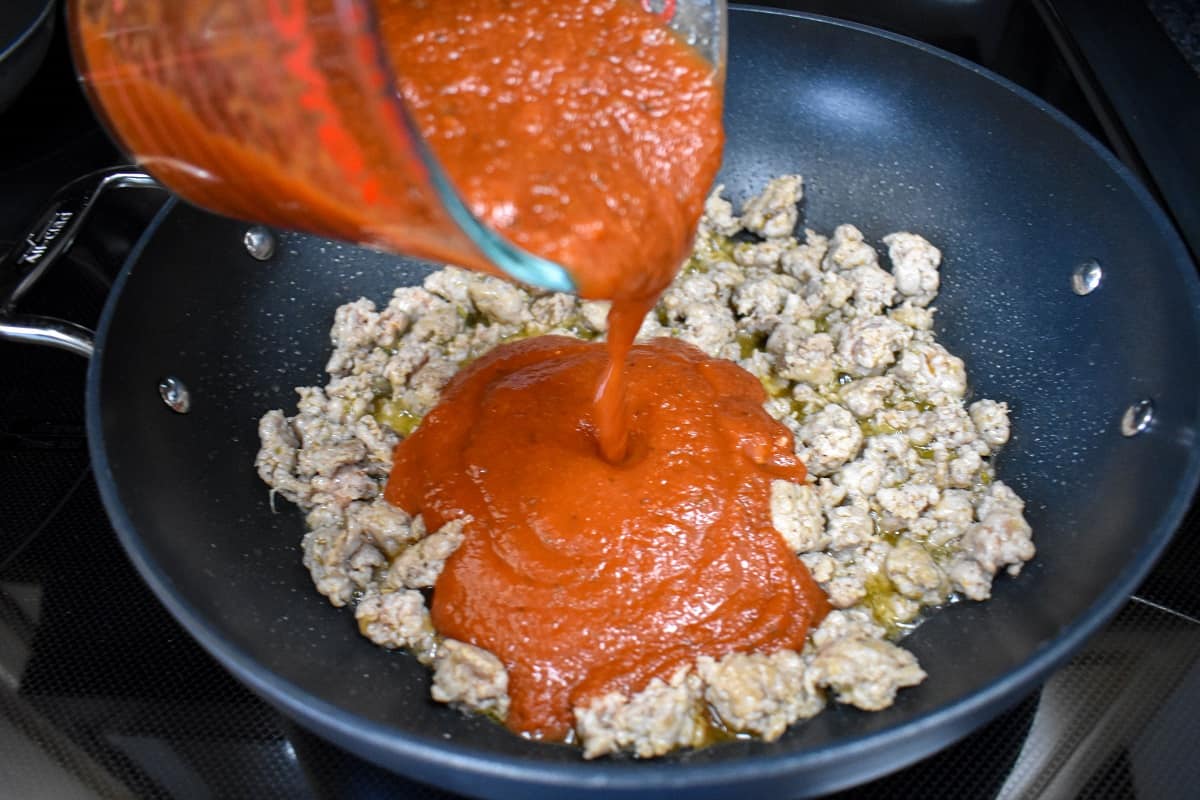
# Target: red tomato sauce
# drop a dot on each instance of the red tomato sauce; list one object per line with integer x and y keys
{"x": 552, "y": 118}
{"x": 585, "y": 576}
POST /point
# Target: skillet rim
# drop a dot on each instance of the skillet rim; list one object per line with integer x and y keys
{"x": 829, "y": 767}
{"x": 21, "y": 35}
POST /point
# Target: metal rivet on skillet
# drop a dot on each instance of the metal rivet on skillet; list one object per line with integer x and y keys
{"x": 1086, "y": 277}
{"x": 175, "y": 394}
{"x": 259, "y": 242}
{"x": 1137, "y": 417}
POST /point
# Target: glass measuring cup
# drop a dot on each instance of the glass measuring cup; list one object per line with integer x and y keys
{"x": 286, "y": 112}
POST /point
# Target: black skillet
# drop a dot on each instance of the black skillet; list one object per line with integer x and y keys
{"x": 890, "y": 134}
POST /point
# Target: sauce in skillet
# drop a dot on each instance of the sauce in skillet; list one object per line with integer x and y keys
{"x": 585, "y": 576}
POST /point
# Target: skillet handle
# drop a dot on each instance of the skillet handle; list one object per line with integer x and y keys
{"x": 46, "y": 243}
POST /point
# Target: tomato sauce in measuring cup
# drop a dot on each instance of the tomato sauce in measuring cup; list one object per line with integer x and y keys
{"x": 584, "y": 132}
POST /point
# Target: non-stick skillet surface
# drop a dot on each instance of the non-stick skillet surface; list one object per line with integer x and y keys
{"x": 890, "y": 135}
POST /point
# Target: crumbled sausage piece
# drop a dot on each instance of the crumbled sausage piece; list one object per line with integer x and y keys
{"x": 773, "y": 212}
{"x": 759, "y": 254}
{"x": 866, "y": 396}
{"x": 796, "y": 514}
{"x": 759, "y": 693}
{"x": 419, "y": 566}
{"x": 854, "y": 567}
{"x": 595, "y": 314}
{"x": 954, "y": 507}
{"x": 903, "y": 504}
{"x": 689, "y": 292}
{"x": 845, "y": 590}
{"x": 865, "y": 673}
{"x": 718, "y": 214}
{"x": 915, "y": 265}
{"x": 327, "y": 460}
{"x": 726, "y": 276}
{"x": 931, "y": 373}
{"x": 861, "y": 478}
{"x": 999, "y": 497}
{"x": 915, "y": 317}
{"x": 828, "y": 439}
{"x": 276, "y": 459}
{"x": 821, "y": 566}
{"x": 968, "y": 577}
{"x": 847, "y": 250}
{"x": 964, "y": 468}
{"x": 950, "y": 425}
{"x": 397, "y": 620}
{"x": 440, "y": 324}
{"x": 654, "y": 721}
{"x": 409, "y": 357}
{"x": 388, "y": 528}
{"x": 379, "y": 441}
{"x": 341, "y": 562}
{"x": 801, "y": 357}
{"x": 426, "y": 384}
{"x": 849, "y": 623}
{"x": 452, "y": 284}
{"x": 874, "y": 288}
{"x": 870, "y": 344}
{"x": 760, "y": 365}
{"x": 349, "y": 483}
{"x": 827, "y": 293}
{"x": 991, "y": 420}
{"x": 1001, "y": 538}
{"x": 553, "y": 310}
{"x": 354, "y": 332}
{"x": 849, "y": 526}
{"x": 804, "y": 261}
{"x": 708, "y": 327}
{"x": 830, "y": 492}
{"x": 915, "y": 574}
{"x": 763, "y": 296}
{"x": 952, "y": 515}
{"x": 497, "y": 299}
{"x": 470, "y": 678}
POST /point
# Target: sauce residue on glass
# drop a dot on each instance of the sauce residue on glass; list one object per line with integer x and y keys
{"x": 585, "y": 576}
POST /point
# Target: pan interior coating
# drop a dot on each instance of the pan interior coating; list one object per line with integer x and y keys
{"x": 890, "y": 135}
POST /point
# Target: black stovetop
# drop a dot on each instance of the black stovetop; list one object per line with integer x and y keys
{"x": 102, "y": 693}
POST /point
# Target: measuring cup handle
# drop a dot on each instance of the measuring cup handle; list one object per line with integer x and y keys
{"x": 44, "y": 245}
